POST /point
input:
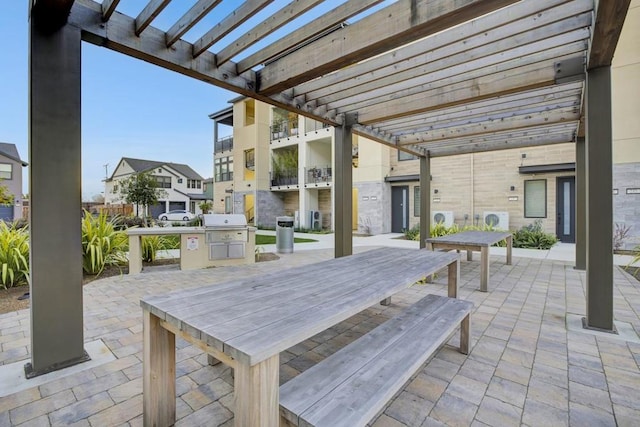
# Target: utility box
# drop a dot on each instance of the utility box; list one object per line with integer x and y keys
{"x": 284, "y": 234}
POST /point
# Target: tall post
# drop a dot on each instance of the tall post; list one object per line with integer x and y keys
{"x": 599, "y": 201}
{"x": 425, "y": 200}
{"x": 55, "y": 193}
{"x": 581, "y": 206}
{"x": 342, "y": 188}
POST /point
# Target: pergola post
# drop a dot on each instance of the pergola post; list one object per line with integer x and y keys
{"x": 425, "y": 200}
{"x": 342, "y": 188}
{"x": 581, "y": 206}
{"x": 55, "y": 193}
{"x": 599, "y": 182}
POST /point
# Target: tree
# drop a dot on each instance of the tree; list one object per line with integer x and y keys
{"x": 141, "y": 189}
{"x": 206, "y": 207}
{"x": 98, "y": 198}
{"x": 6, "y": 198}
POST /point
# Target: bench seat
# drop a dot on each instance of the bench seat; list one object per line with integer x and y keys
{"x": 351, "y": 386}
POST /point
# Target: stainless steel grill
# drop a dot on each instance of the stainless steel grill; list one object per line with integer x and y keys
{"x": 226, "y": 235}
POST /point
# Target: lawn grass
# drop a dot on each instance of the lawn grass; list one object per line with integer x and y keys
{"x": 261, "y": 239}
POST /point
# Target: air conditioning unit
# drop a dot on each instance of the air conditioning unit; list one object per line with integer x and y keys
{"x": 498, "y": 220}
{"x": 442, "y": 217}
{"x": 315, "y": 220}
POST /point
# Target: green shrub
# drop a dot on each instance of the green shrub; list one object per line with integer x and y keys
{"x": 14, "y": 255}
{"x": 102, "y": 243}
{"x": 636, "y": 255}
{"x": 151, "y": 245}
{"x": 533, "y": 237}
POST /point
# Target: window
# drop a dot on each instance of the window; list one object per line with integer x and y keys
{"x": 115, "y": 188}
{"x": 163, "y": 181}
{"x": 250, "y": 159}
{"x": 228, "y": 207}
{"x": 249, "y": 112}
{"x": 194, "y": 183}
{"x": 179, "y": 180}
{"x": 223, "y": 169}
{"x": 6, "y": 170}
{"x": 406, "y": 156}
{"x": 535, "y": 198}
{"x": 416, "y": 200}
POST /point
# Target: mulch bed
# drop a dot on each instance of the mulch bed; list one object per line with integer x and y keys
{"x": 9, "y": 298}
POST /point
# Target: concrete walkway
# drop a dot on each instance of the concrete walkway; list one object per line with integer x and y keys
{"x": 527, "y": 366}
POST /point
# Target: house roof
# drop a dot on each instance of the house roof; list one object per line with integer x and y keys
{"x": 11, "y": 151}
{"x": 141, "y": 165}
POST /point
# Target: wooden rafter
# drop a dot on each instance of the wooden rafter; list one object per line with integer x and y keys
{"x": 609, "y": 18}
{"x": 108, "y": 7}
{"x": 400, "y": 23}
{"x": 312, "y": 29}
{"x": 266, "y": 27}
{"x": 245, "y": 11}
{"x": 189, "y": 19}
{"x": 148, "y": 14}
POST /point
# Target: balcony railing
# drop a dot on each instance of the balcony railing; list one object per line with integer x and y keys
{"x": 283, "y": 130}
{"x": 317, "y": 174}
{"x": 313, "y": 125}
{"x": 289, "y": 177}
{"x": 223, "y": 144}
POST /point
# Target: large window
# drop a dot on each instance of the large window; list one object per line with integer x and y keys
{"x": 6, "y": 170}
{"x": 416, "y": 200}
{"x": 223, "y": 168}
{"x": 535, "y": 198}
{"x": 406, "y": 156}
{"x": 250, "y": 159}
{"x": 163, "y": 181}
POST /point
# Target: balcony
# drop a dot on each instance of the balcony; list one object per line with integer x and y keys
{"x": 317, "y": 175}
{"x": 223, "y": 144}
{"x": 283, "y": 129}
{"x": 285, "y": 178}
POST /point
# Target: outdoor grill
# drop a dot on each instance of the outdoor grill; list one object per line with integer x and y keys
{"x": 226, "y": 235}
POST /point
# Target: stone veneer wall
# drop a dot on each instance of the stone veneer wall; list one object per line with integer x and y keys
{"x": 374, "y": 213}
{"x": 626, "y": 207}
{"x": 269, "y": 205}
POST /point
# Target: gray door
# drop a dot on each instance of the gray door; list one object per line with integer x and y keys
{"x": 566, "y": 209}
{"x": 399, "y": 209}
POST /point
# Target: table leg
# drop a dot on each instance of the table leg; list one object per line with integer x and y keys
{"x": 453, "y": 279}
{"x": 135, "y": 254}
{"x": 469, "y": 255}
{"x": 159, "y": 373}
{"x": 257, "y": 393}
{"x": 509, "y": 246}
{"x": 484, "y": 268}
{"x": 465, "y": 335}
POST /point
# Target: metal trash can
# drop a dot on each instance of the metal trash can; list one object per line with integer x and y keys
{"x": 284, "y": 234}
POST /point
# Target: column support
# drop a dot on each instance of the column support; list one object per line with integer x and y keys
{"x": 57, "y": 335}
{"x": 342, "y": 188}
{"x": 599, "y": 218}
{"x": 581, "y": 205}
{"x": 425, "y": 199}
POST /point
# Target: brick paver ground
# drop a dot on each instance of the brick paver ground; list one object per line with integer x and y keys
{"x": 524, "y": 367}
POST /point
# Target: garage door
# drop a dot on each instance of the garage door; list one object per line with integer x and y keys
{"x": 174, "y": 206}
{"x": 6, "y": 213}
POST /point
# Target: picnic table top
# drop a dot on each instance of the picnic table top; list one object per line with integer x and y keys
{"x": 479, "y": 238}
{"x": 252, "y": 319}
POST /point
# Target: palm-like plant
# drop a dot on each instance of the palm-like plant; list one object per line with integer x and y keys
{"x": 102, "y": 244}
{"x": 14, "y": 255}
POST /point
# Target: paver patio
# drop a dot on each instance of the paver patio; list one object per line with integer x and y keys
{"x": 524, "y": 367}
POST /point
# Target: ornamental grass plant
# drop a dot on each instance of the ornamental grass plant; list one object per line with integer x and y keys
{"x": 14, "y": 255}
{"x": 102, "y": 244}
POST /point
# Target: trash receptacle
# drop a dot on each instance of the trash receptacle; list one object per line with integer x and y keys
{"x": 284, "y": 234}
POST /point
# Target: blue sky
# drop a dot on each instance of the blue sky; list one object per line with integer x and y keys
{"x": 129, "y": 108}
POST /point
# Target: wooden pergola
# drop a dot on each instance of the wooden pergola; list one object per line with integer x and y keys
{"x": 429, "y": 77}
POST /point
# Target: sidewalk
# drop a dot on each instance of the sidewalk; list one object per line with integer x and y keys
{"x": 559, "y": 252}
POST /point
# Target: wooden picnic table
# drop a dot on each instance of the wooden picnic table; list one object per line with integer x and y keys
{"x": 471, "y": 241}
{"x": 246, "y": 323}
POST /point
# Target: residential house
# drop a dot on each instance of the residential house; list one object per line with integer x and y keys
{"x": 182, "y": 185}
{"x": 11, "y": 176}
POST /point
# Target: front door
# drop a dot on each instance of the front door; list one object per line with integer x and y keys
{"x": 566, "y": 209}
{"x": 399, "y": 209}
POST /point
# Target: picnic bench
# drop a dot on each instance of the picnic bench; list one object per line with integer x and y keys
{"x": 479, "y": 241}
{"x": 246, "y": 323}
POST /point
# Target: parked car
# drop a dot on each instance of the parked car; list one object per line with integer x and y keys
{"x": 176, "y": 215}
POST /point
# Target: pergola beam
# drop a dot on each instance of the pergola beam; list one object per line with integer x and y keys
{"x": 189, "y": 19}
{"x": 400, "y": 23}
{"x": 478, "y": 147}
{"x": 148, "y": 14}
{"x": 609, "y": 18}
{"x": 312, "y": 29}
{"x": 228, "y": 24}
{"x": 108, "y": 7}
{"x": 266, "y": 27}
